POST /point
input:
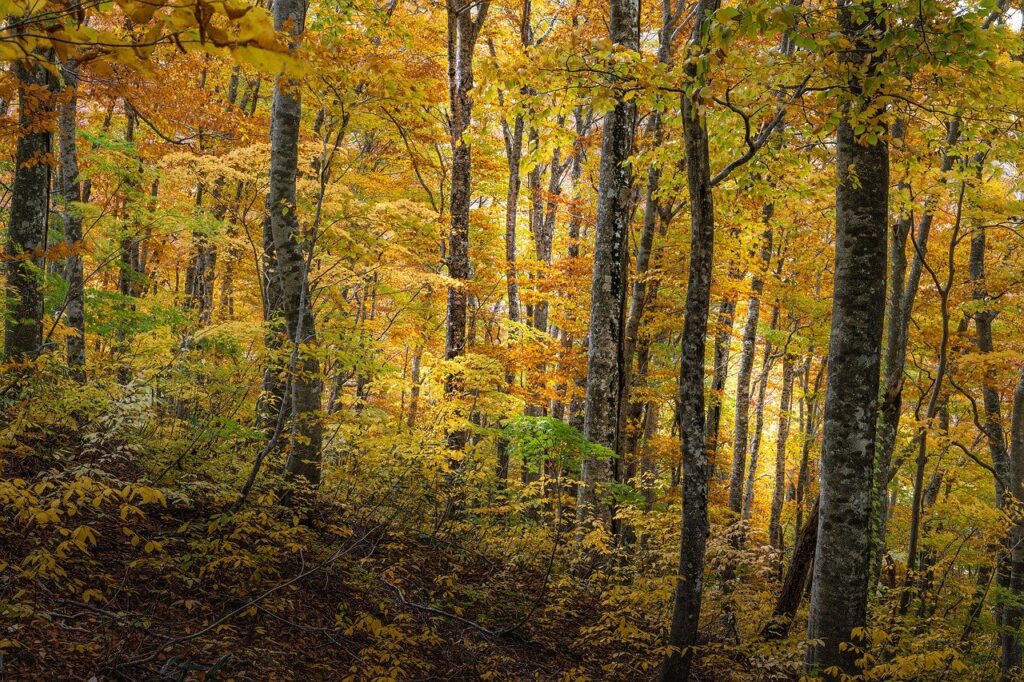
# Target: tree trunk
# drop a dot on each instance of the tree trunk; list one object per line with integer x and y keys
{"x": 608, "y": 293}
{"x": 902, "y": 295}
{"x": 690, "y": 585}
{"x": 292, "y": 263}
{"x": 1011, "y": 658}
{"x": 742, "y": 421}
{"x": 932, "y": 409}
{"x": 795, "y": 579}
{"x": 463, "y": 30}
{"x": 767, "y": 362}
{"x": 29, "y": 213}
{"x": 723, "y": 346}
{"x": 573, "y": 411}
{"x": 779, "y": 489}
{"x": 513, "y": 154}
{"x": 842, "y": 558}
{"x": 71, "y": 194}
{"x": 513, "y": 138}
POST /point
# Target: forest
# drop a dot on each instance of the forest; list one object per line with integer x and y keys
{"x": 512, "y": 340}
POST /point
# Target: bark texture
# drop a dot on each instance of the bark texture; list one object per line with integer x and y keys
{"x": 71, "y": 194}
{"x": 690, "y": 586}
{"x": 292, "y": 264}
{"x": 746, "y": 368}
{"x": 795, "y": 579}
{"x": 779, "y": 488}
{"x": 842, "y": 558}
{"x": 463, "y": 30}
{"x": 605, "y": 360}
{"x": 29, "y": 213}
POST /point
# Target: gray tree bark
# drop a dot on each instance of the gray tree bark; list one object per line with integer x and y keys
{"x": 463, "y": 30}
{"x": 742, "y": 421}
{"x": 993, "y": 423}
{"x": 842, "y": 557}
{"x": 608, "y": 293}
{"x": 574, "y": 410}
{"x": 71, "y": 194}
{"x": 292, "y": 262}
{"x": 902, "y": 294}
{"x": 693, "y": 543}
{"x": 513, "y": 138}
{"x": 767, "y": 362}
{"x": 29, "y": 213}
{"x": 1012, "y": 647}
{"x": 720, "y": 375}
{"x": 779, "y": 489}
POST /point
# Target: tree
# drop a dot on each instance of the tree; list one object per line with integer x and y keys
{"x": 839, "y": 587}
{"x": 690, "y": 585}
{"x": 605, "y": 362}
{"x": 463, "y": 30}
{"x": 71, "y": 194}
{"x": 30, "y": 210}
{"x": 292, "y": 259}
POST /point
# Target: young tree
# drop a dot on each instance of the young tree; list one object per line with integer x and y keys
{"x": 71, "y": 194}
{"x": 690, "y": 586}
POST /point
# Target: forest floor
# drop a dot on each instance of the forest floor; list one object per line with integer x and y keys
{"x": 104, "y": 578}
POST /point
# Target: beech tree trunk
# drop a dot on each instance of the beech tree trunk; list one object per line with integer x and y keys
{"x": 292, "y": 263}
{"x": 71, "y": 194}
{"x": 722, "y": 350}
{"x": 605, "y": 360}
{"x": 463, "y": 31}
{"x": 513, "y": 154}
{"x": 29, "y": 213}
{"x": 842, "y": 558}
{"x": 573, "y": 409}
{"x": 513, "y": 138}
{"x": 993, "y": 427}
{"x": 742, "y": 421}
{"x": 767, "y": 362}
{"x": 795, "y": 579}
{"x": 1012, "y": 658}
{"x": 693, "y": 543}
{"x": 902, "y": 294}
{"x": 779, "y": 489}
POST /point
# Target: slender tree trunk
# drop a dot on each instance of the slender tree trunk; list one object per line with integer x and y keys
{"x": 605, "y": 360}
{"x": 71, "y": 194}
{"x": 29, "y": 213}
{"x": 902, "y": 294}
{"x": 1012, "y": 657}
{"x": 414, "y": 393}
{"x": 842, "y": 558}
{"x": 463, "y": 31}
{"x": 931, "y": 411}
{"x": 809, "y": 407}
{"x": 795, "y": 579}
{"x": 513, "y": 153}
{"x": 273, "y": 400}
{"x": 513, "y": 137}
{"x": 779, "y": 489}
{"x": 572, "y": 409}
{"x": 993, "y": 424}
{"x": 292, "y": 263}
{"x": 767, "y": 363}
{"x": 739, "y": 441}
{"x": 690, "y": 585}
{"x": 723, "y": 346}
